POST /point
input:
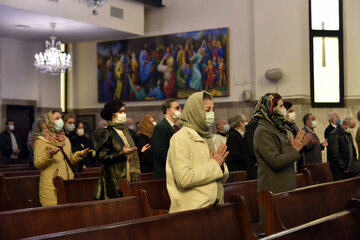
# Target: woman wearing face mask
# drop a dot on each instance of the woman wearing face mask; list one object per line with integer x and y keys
{"x": 82, "y": 142}
{"x": 289, "y": 122}
{"x": 275, "y": 151}
{"x": 116, "y": 151}
{"x": 53, "y": 155}
{"x": 146, "y": 128}
{"x": 69, "y": 127}
{"x": 194, "y": 170}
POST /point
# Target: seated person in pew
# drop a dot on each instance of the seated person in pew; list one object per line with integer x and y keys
{"x": 53, "y": 155}
{"x": 194, "y": 171}
{"x": 275, "y": 151}
{"x": 116, "y": 151}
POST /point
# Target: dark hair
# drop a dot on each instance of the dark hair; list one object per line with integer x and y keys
{"x": 167, "y": 104}
{"x": 287, "y": 105}
{"x": 78, "y": 123}
{"x": 110, "y": 108}
{"x": 306, "y": 117}
{"x": 207, "y": 96}
{"x": 8, "y": 120}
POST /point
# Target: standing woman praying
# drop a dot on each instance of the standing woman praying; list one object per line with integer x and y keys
{"x": 116, "y": 151}
{"x": 52, "y": 154}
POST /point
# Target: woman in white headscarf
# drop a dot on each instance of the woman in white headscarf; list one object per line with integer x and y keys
{"x": 194, "y": 171}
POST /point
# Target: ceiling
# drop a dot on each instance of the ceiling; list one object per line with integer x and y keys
{"x": 26, "y": 25}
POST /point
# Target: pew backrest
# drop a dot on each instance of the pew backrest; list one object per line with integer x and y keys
{"x": 154, "y": 189}
{"x": 320, "y": 172}
{"x": 38, "y": 221}
{"x": 237, "y": 176}
{"x": 227, "y": 221}
{"x": 342, "y": 225}
{"x": 303, "y": 178}
{"x": 75, "y": 190}
{"x": 19, "y": 192}
{"x": 293, "y": 208}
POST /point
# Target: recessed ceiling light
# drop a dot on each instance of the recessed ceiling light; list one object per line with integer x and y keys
{"x": 20, "y": 26}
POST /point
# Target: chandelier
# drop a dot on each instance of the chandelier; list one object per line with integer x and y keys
{"x": 94, "y": 4}
{"x": 52, "y": 61}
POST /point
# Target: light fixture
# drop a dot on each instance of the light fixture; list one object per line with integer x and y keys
{"x": 94, "y": 4}
{"x": 52, "y": 61}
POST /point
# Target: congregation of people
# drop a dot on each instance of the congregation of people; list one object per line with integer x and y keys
{"x": 183, "y": 149}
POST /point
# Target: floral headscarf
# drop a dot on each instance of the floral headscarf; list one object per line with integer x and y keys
{"x": 265, "y": 110}
{"x": 46, "y": 128}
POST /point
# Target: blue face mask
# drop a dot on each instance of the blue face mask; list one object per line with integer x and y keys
{"x": 71, "y": 127}
{"x": 226, "y": 128}
{"x": 338, "y": 122}
{"x": 59, "y": 124}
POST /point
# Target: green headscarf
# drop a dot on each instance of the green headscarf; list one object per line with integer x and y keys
{"x": 193, "y": 116}
{"x": 265, "y": 110}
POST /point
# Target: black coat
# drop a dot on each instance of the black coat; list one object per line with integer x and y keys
{"x": 146, "y": 158}
{"x": 238, "y": 158}
{"x": 160, "y": 141}
{"x": 328, "y": 130}
{"x": 6, "y": 145}
{"x": 249, "y": 141}
{"x": 339, "y": 152}
{"x": 312, "y": 152}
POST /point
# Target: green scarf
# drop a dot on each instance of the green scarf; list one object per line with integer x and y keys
{"x": 133, "y": 158}
{"x": 265, "y": 110}
{"x": 193, "y": 116}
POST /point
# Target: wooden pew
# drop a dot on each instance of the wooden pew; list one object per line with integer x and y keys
{"x": 154, "y": 189}
{"x": 37, "y": 221}
{"x": 320, "y": 172}
{"x": 248, "y": 189}
{"x": 342, "y": 225}
{"x": 92, "y": 169}
{"x": 21, "y": 173}
{"x": 19, "y": 192}
{"x": 12, "y": 169}
{"x": 75, "y": 190}
{"x": 293, "y": 208}
{"x": 147, "y": 176}
{"x": 228, "y": 221}
{"x": 237, "y": 176}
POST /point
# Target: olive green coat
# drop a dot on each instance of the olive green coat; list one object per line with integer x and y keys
{"x": 276, "y": 159}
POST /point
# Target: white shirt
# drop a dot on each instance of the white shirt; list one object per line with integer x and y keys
{"x": 14, "y": 145}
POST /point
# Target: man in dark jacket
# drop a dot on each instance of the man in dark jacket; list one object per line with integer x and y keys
{"x": 333, "y": 119}
{"x": 312, "y": 151}
{"x": 9, "y": 144}
{"x": 238, "y": 159}
{"x": 163, "y": 131}
{"x": 342, "y": 153}
{"x": 249, "y": 141}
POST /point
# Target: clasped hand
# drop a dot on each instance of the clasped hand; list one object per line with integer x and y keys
{"x": 302, "y": 139}
{"x": 128, "y": 150}
{"x": 220, "y": 155}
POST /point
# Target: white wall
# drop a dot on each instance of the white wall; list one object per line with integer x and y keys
{"x": 19, "y": 78}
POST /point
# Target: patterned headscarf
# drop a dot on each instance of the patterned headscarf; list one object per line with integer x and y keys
{"x": 45, "y": 128}
{"x": 193, "y": 116}
{"x": 265, "y": 110}
{"x": 145, "y": 126}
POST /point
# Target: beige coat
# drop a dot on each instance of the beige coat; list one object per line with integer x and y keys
{"x": 52, "y": 166}
{"x": 193, "y": 179}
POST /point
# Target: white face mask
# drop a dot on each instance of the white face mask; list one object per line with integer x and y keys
{"x": 11, "y": 127}
{"x": 132, "y": 127}
{"x": 120, "y": 118}
{"x": 80, "y": 132}
{"x": 176, "y": 115}
{"x": 292, "y": 116}
{"x": 349, "y": 130}
{"x": 313, "y": 124}
{"x": 154, "y": 123}
{"x": 209, "y": 118}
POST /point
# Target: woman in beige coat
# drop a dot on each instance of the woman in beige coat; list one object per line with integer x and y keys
{"x": 52, "y": 154}
{"x": 194, "y": 171}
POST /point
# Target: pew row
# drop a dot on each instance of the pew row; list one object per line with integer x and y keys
{"x": 342, "y": 225}
{"x": 228, "y": 221}
{"x": 293, "y": 208}
{"x": 38, "y": 221}
{"x": 248, "y": 189}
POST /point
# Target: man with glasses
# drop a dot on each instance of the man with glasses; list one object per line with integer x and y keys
{"x": 163, "y": 131}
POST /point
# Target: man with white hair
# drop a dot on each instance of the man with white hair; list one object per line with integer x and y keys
{"x": 333, "y": 122}
{"x": 341, "y": 151}
{"x": 222, "y": 128}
